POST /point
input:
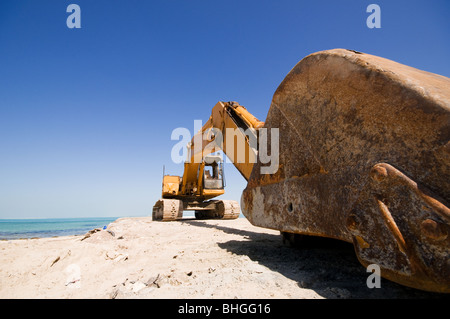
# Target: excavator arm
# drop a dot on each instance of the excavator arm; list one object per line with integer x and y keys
{"x": 230, "y": 128}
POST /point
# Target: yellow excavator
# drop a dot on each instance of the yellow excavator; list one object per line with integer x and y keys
{"x": 362, "y": 155}
{"x": 203, "y": 177}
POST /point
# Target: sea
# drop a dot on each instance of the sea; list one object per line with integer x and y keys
{"x": 50, "y": 227}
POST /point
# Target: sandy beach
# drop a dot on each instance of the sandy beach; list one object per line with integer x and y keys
{"x": 140, "y": 258}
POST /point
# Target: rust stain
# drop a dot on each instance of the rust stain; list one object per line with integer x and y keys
{"x": 361, "y": 242}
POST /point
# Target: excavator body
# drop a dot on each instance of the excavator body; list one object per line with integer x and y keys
{"x": 363, "y": 157}
{"x": 230, "y": 128}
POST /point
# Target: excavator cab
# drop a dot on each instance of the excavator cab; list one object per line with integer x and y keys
{"x": 213, "y": 177}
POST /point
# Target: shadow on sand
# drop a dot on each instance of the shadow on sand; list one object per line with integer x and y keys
{"x": 327, "y": 266}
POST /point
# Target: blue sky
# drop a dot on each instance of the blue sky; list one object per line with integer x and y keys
{"x": 86, "y": 114}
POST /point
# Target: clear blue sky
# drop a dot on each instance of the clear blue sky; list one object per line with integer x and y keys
{"x": 86, "y": 114}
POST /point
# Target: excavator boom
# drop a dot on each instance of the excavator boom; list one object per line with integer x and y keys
{"x": 230, "y": 128}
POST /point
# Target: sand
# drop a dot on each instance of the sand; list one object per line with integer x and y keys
{"x": 139, "y": 258}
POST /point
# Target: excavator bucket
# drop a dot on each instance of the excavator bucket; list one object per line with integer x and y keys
{"x": 364, "y": 157}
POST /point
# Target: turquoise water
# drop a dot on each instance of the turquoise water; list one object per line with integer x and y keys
{"x": 50, "y": 227}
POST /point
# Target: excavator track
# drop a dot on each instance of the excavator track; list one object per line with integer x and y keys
{"x": 225, "y": 209}
{"x": 167, "y": 210}
{"x": 230, "y": 209}
{"x": 172, "y": 209}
